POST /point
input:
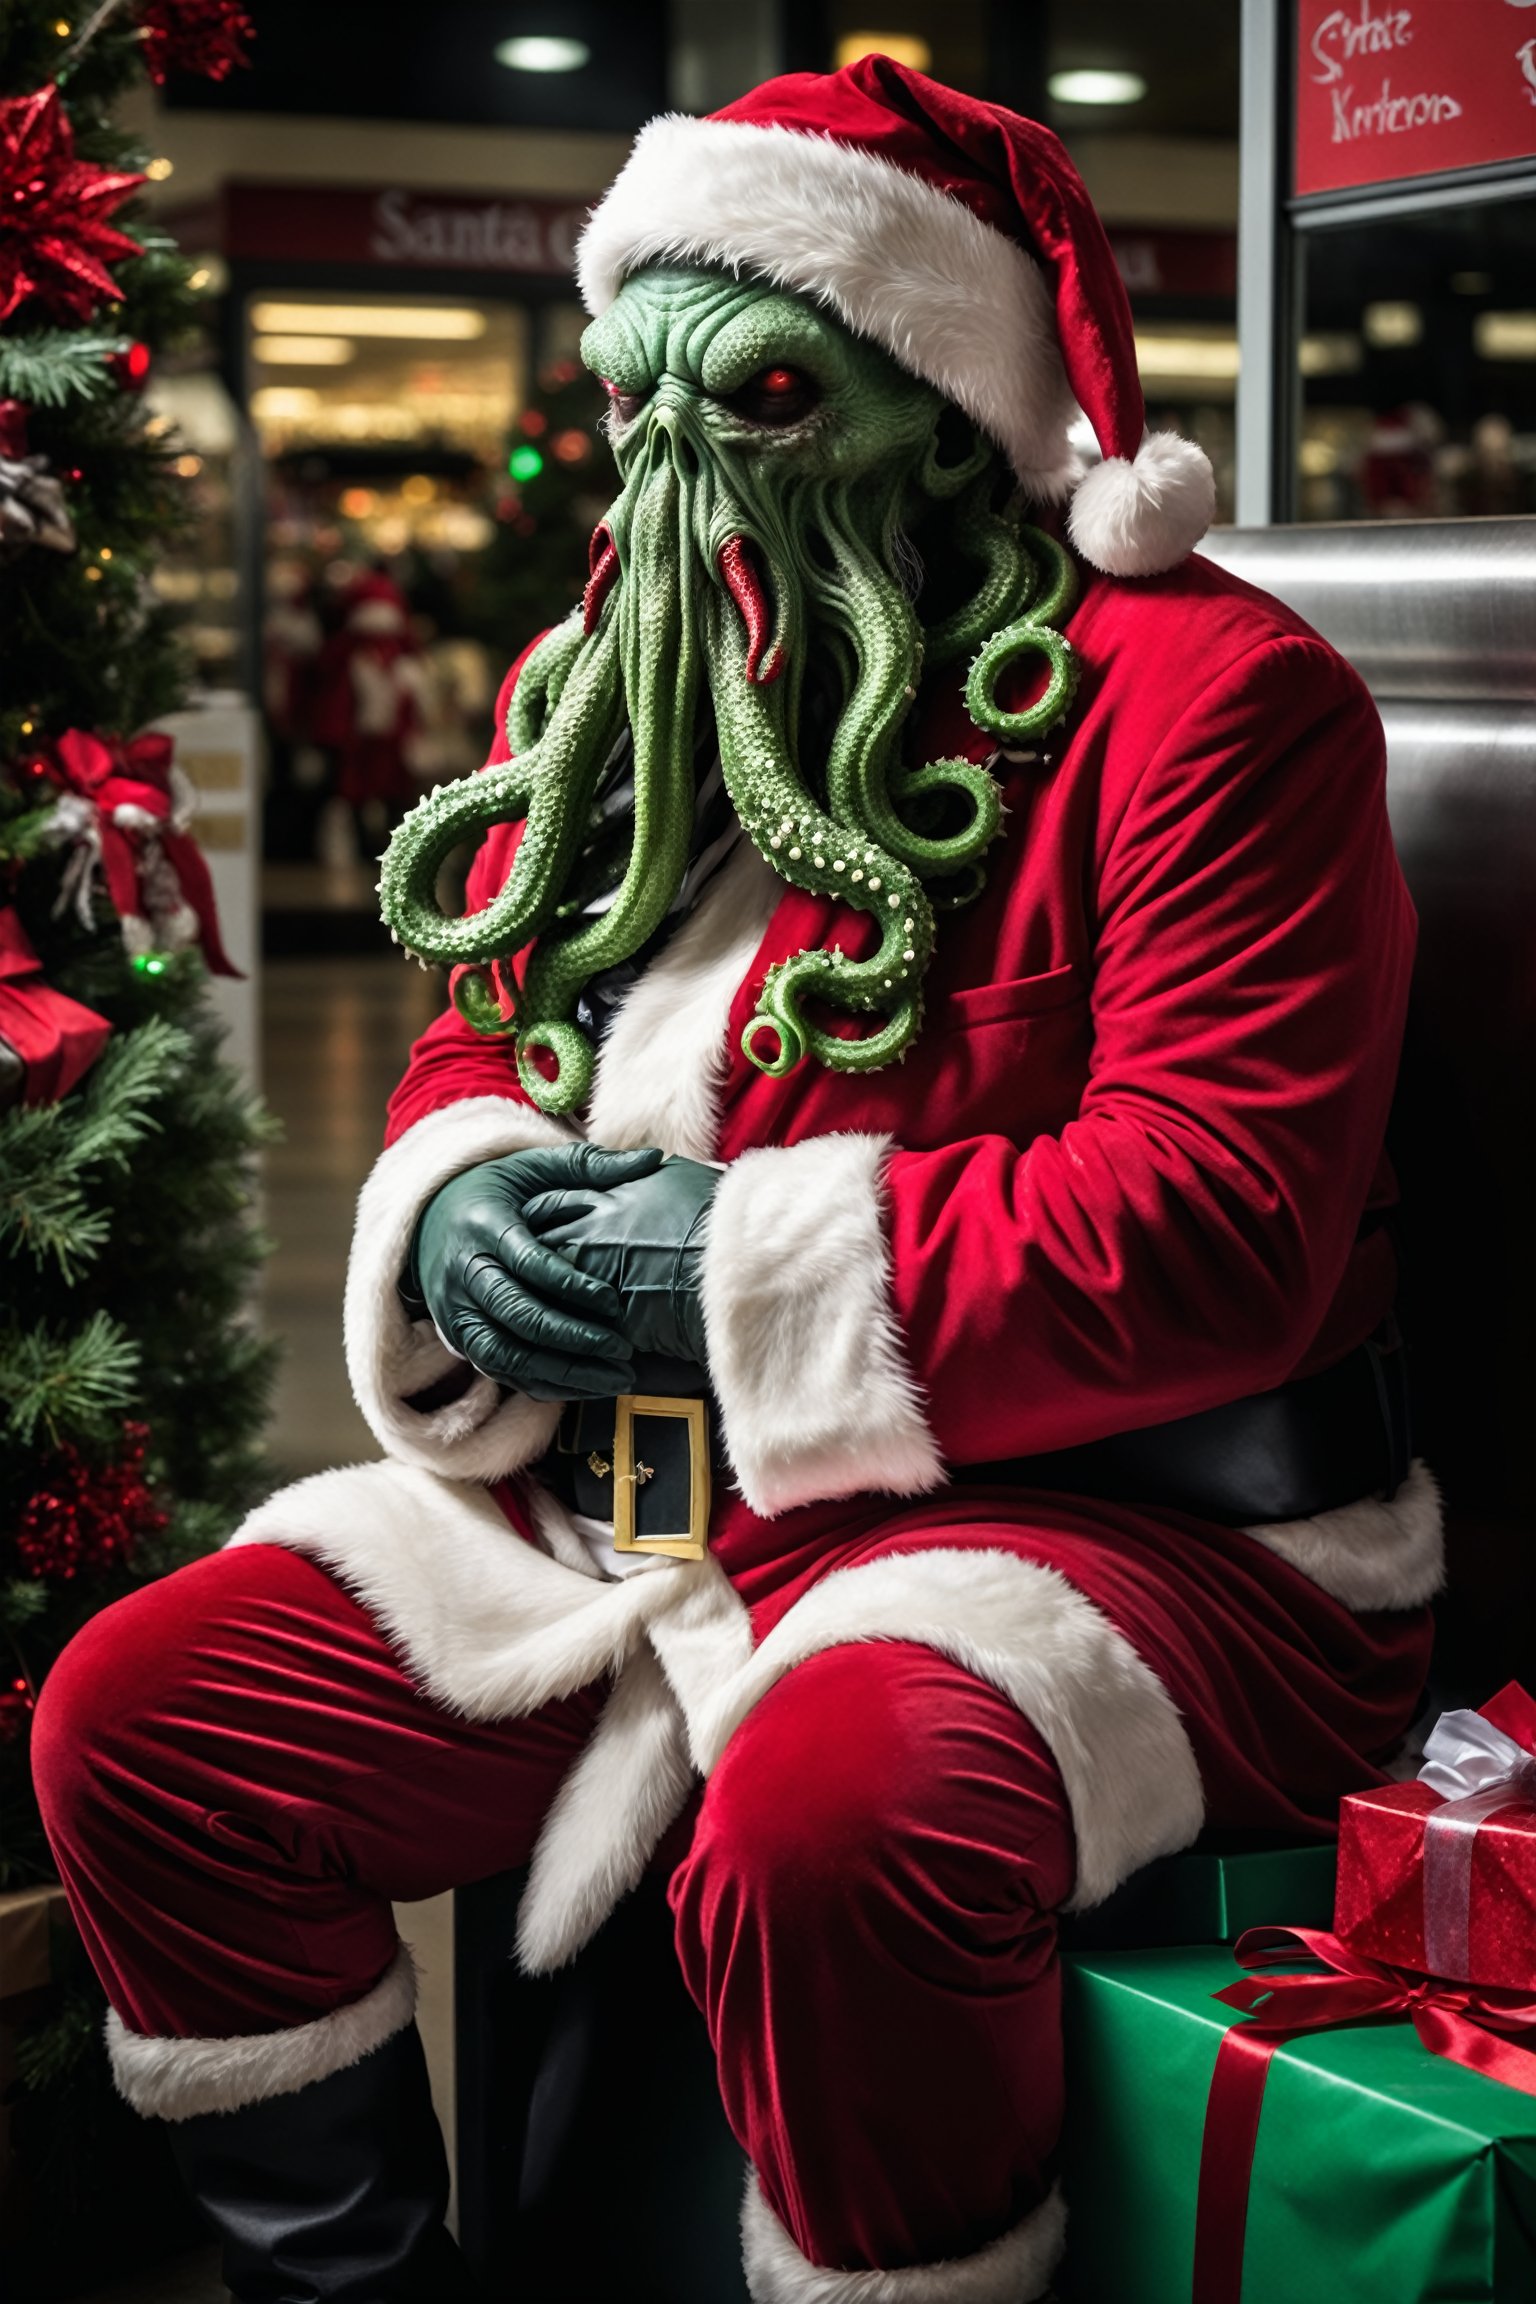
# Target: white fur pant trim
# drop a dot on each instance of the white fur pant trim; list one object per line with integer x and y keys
{"x": 1011, "y": 2270}
{"x": 805, "y": 1350}
{"x": 1372, "y": 1554}
{"x": 180, "y": 2079}
{"x": 1127, "y": 1765}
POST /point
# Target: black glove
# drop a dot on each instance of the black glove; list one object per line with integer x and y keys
{"x": 518, "y": 1311}
{"x": 643, "y": 1240}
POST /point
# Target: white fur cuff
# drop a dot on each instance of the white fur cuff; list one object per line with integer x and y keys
{"x": 179, "y": 2079}
{"x": 390, "y": 1358}
{"x": 1011, "y": 2270}
{"x": 805, "y": 1353}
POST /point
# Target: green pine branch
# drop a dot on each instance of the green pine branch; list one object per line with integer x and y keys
{"x": 25, "y": 832}
{"x": 54, "y": 366}
{"x": 22, "y": 1600}
{"x": 50, "y": 1154}
{"x": 57, "y": 1388}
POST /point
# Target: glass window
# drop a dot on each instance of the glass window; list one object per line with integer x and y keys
{"x": 1419, "y": 366}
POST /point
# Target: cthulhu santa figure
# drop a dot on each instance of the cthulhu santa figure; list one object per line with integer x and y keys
{"x": 877, "y": 1300}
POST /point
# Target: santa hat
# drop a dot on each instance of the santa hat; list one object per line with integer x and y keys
{"x": 955, "y": 234}
{"x": 375, "y": 606}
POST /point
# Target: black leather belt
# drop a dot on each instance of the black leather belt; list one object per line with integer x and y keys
{"x": 1307, "y": 1447}
{"x": 645, "y": 1461}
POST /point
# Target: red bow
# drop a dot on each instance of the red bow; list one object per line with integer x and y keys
{"x": 129, "y": 783}
{"x": 56, "y": 1039}
{"x": 1463, "y": 2022}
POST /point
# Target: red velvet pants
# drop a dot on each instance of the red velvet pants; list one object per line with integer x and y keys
{"x": 238, "y": 1777}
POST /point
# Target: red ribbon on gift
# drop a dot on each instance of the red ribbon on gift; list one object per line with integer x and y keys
{"x": 1463, "y": 2022}
{"x": 56, "y": 1038}
{"x": 134, "y": 774}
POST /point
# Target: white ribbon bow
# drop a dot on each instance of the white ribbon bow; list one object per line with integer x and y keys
{"x": 1465, "y": 1754}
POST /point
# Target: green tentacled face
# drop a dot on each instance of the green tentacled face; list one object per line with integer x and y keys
{"x": 801, "y": 527}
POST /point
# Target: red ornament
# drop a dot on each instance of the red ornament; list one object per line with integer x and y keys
{"x": 54, "y": 1040}
{"x": 17, "y": 1705}
{"x": 130, "y": 366}
{"x": 13, "y": 429}
{"x": 54, "y": 236}
{"x": 89, "y": 1517}
{"x": 208, "y": 37}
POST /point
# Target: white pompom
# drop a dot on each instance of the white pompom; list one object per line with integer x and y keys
{"x": 1138, "y": 518}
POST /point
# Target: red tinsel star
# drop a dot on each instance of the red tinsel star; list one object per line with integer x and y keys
{"x": 54, "y": 234}
{"x": 204, "y": 36}
{"x": 89, "y": 1516}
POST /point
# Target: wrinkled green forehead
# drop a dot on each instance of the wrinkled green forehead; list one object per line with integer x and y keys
{"x": 712, "y": 331}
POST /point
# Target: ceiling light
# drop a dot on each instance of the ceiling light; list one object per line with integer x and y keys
{"x": 901, "y": 47}
{"x": 1330, "y": 354}
{"x": 1390, "y": 326}
{"x": 418, "y": 322}
{"x": 277, "y": 401}
{"x": 1207, "y": 357}
{"x": 543, "y": 52}
{"x": 1097, "y": 87}
{"x": 304, "y": 351}
{"x": 1505, "y": 335}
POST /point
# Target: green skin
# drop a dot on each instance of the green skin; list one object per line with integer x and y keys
{"x": 828, "y": 507}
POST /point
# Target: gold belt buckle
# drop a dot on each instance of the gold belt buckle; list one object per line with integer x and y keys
{"x": 631, "y": 1473}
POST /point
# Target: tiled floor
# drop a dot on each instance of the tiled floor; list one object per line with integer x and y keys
{"x": 335, "y": 1035}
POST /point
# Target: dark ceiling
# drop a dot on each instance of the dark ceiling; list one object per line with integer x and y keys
{"x": 413, "y": 61}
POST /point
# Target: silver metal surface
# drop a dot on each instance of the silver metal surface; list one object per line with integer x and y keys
{"x": 1461, "y": 789}
{"x": 1265, "y": 298}
{"x": 1432, "y": 610}
{"x": 1440, "y": 617}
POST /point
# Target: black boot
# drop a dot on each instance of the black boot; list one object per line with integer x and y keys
{"x": 335, "y": 2194}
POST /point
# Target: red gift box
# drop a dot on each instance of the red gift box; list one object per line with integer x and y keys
{"x": 1457, "y": 1898}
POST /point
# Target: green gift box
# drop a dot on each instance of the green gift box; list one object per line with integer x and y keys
{"x": 1209, "y": 1895}
{"x": 1383, "y": 2174}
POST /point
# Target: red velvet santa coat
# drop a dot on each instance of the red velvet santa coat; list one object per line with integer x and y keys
{"x": 1128, "y": 1171}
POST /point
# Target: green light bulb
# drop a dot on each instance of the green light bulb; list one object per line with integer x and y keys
{"x": 525, "y": 462}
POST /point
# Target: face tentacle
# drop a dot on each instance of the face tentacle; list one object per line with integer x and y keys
{"x": 819, "y": 854}
{"x": 541, "y": 683}
{"x": 1033, "y": 633}
{"x": 867, "y": 783}
{"x": 550, "y": 786}
{"x": 659, "y": 654}
{"x": 790, "y": 499}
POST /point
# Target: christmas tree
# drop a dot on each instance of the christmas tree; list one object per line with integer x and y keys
{"x": 132, "y": 1386}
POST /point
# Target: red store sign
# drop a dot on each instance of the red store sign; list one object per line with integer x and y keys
{"x": 1384, "y": 92}
{"x": 392, "y": 227}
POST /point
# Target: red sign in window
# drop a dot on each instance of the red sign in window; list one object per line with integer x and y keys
{"x": 1384, "y": 91}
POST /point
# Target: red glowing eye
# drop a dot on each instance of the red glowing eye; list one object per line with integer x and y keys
{"x": 776, "y": 396}
{"x": 626, "y": 405}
